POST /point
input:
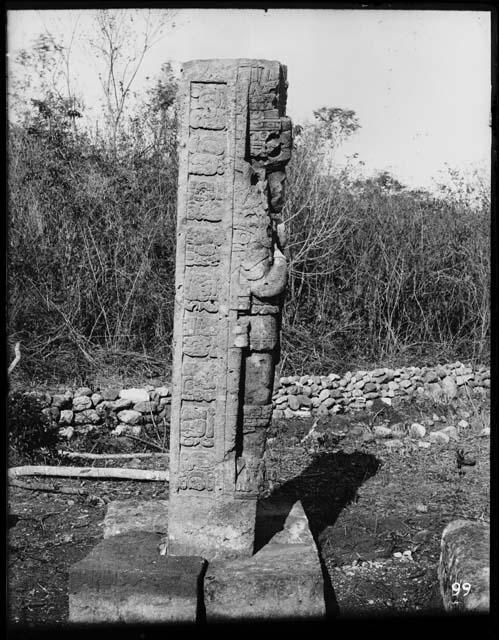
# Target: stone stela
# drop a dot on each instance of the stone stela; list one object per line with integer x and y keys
{"x": 235, "y": 141}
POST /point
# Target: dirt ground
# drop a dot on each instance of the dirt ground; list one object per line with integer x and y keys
{"x": 376, "y": 510}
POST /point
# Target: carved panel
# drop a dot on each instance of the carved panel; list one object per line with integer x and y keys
{"x": 249, "y": 478}
{"x": 263, "y": 336}
{"x": 201, "y": 289}
{"x": 256, "y": 416}
{"x": 196, "y": 471}
{"x": 200, "y": 346}
{"x": 198, "y": 379}
{"x": 205, "y": 199}
{"x": 207, "y": 152}
{"x": 200, "y": 323}
{"x": 202, "y": 245}
{"x": 208, "y": 105}
{"x": 196, "y": 425}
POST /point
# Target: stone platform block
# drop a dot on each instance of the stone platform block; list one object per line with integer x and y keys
{"x": 213, "y": 529}
{"x": 125, "y": 579}
{"x": 282, "y": 580}
{"x": 127, "y": 516}
{"x": 465, "y": 563}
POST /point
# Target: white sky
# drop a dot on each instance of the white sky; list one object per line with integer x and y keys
{"x": 419, "y": 81}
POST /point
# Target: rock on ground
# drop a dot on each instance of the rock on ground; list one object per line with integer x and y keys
{"x": 464, "y": 567}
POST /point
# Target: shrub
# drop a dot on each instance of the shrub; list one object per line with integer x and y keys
{"x": 379, "y": 272}
{"x": 33, "y": 437}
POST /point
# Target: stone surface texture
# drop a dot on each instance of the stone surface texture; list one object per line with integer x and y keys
{"x": 230, "y": 277}
{"x": 125, "y": 579}
{"x": 126, "y": 516}
{"x": 465, "y": 560}
{"x": 282, "y": 580}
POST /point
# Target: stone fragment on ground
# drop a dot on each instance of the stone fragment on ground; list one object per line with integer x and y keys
{"x": 282, "y": 580}
{"x": 417, "y": 430}
{"x": 439, "y": 437}
{"x": 464, "y": 566}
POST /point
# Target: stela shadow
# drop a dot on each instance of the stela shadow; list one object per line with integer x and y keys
{"x": 324, "y": 488}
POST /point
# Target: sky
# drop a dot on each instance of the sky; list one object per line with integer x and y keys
{"x": 419, "y": 81}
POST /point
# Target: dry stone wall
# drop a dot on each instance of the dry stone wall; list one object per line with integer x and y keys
{"x": 126, "y": 411}
{"x": 322, "y": 395}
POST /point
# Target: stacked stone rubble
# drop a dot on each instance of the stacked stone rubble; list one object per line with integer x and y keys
{"x": 122, "y": 411}
{"x": 306, "y": 395}
{"x": 126, "y": 411}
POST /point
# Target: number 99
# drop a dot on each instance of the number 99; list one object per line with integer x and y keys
{"x": 456, "y": 588}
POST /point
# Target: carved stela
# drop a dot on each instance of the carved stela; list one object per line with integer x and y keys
{"x": 235, "y": 141}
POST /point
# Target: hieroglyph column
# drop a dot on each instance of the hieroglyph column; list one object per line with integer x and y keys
{"x": 230, "y": 277}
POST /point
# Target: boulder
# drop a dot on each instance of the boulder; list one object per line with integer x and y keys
{"x": 324, "y": 394}
{"x": 83, "y": 391}
{"x": 96, "y": 399}
{"x": 382, "y": 432}
{"x": 110, "y": 394}
{"x": 435, "y": 390}
{"x": 417, "y": 430}
{"x": 304, "y": 401}
{"x": 135, "y": 395}
{"x": 449, "y": 387}
{"x": 66, "y": 416}
{"x": 130, "y": 417}
{"x": 80, "y": 403}
{"x": 146, "y": 407}
{"x": 464, "y": 566}
{"x": 87, "y": 416}
{"x": 451, "y": 431}
{"x": 439, "y": 437}
{"x": 120, "y": 404}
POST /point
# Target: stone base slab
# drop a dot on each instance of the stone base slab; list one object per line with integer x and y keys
{"x": 465, "y": 563}
{"x": 126, "y": 516}
{"x": 283, "y": 580}
{"x": 125, "y": 579}
{"x": 212, "y": 529}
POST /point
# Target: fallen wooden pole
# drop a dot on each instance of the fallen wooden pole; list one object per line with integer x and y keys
{"x": 90, "y": 472}
{"x": 110, "y": 456}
